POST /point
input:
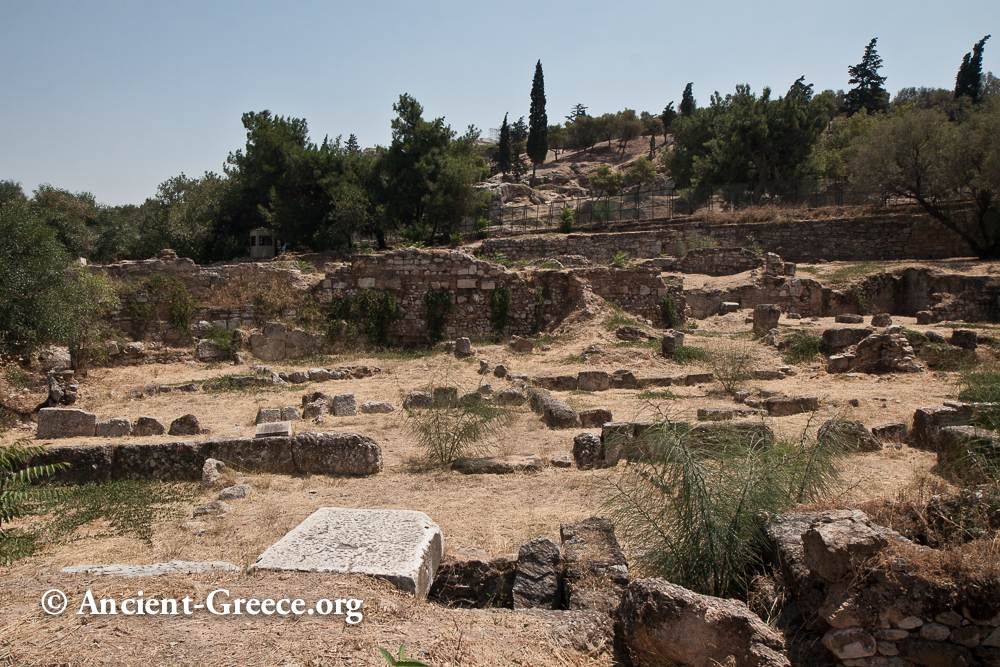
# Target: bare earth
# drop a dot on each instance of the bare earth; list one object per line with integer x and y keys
{"x": 488, "y": 512}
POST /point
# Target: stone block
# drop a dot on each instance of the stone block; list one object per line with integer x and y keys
{"x": 765, "y": 318}
{"x": 623, "y": 379}
{"x": 881, "y": 320}
{"x": 558, "y": 414}
{"x": 536, "y": 576}
{"x": 65, "y": 423}
{"x": 728, "y": 307}
{"x": 850, "y": 434}
{"x": 509, "y": 397}
{"x": 289, "y": 413}
{"x": 402, "y": 546}
{"x": 595, "y": 417}
{"x": 593, "y": 381}
{"x": 154, "y": 570}
{"x": 556, "y": 382}
{"x": 185, "y": 425}
{"x": 967, "y": 339}
{"x": 273, "y": 429}
{"x": 670, "y": 342}
{"x": 463, "y": 348}
{"x": 849, "y": 318}
{"x": 587, "y": 450}
{"x": 298, "y": 377}
{"x": 520, "y": 345}
{"x": 117, "y": 427}
{"x": 418, "y": 399}
{"x": 925, "y": 317}
{"x": 768, "y": 375}
{"x": 836, "y": 339}
{"x": 377, "y": 407}
{"x": 895, "y": 432}
{"x": 147, "y": 426}
{"x": 267, "y": 416}
{"x": 698, "y": 378}
{"x": 319, "y": 375}
{"x": 504, "y": 465}
{"x": 344, "y": 405}
{"x": 782, "y": 406}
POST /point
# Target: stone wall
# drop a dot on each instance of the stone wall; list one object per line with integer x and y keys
{"x": 849, "y": 239}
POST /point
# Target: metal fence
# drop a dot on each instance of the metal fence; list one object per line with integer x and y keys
{"x": 667, "y": 203}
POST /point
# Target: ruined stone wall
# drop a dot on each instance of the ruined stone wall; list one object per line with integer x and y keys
{"x": 851, "y": 239}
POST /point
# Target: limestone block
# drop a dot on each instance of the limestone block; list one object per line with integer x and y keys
{"x": 377, "y": 407}
{"x": 273, "y": 430}
{"x": 154, "y": 570}
{"x": 267, "y": 415}
{"x": 344, "y": 405}
{"x": 402, "y": 546}
{"x": 65, "y": 423}
{"x": 593, "y": 381}
{"x": 118, "y": 427}
{"x": 185, "y": 425}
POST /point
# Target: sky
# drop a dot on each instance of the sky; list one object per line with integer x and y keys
{"x": 115, "y": 97}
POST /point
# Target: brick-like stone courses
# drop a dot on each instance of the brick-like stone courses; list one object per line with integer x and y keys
{"x": 409, "y": 273}
{"x": 857, "y": 239}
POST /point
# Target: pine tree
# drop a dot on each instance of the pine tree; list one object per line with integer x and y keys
{"x": 687, "y": 101}
{"x": 503, "y": 157}
{"x": 578, "y": 110}
{"x": 538, "y": 123}
{"x": 352, "y": 145}
{"x": 868, "y": 93}
{"x": 970, "y": 74}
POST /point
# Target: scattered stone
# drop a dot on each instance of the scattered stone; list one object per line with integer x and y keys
{"x": 344, "y": 405}
{"x": 485, "y": 389}
{"x": 967, "y": 339}
{"x": 546, "y": 348}
{"x": 768, "y": 375}
{"x": 558, "y": 414}
{"x": 235, "y": 492}
{"x": 593, "y": 381}
{"x": 520, "y": 345}
{"x": 418, "y": 399}
{"x": 185, "y": 425}
{"x": 793, "y": 316}
{"x": 765, "y": 318}
{"x": 840, "y": 540}
{"x": 497, "y": 465}
{"x": 849, "y": 433}
{"x": 470, "y": 399}
{"x": 403, "y": 546}
{"x": 315, "y": 409}
{"x": 537, "y": 398}
{"x": 727, "y": 307}
{"x": 298, "y": 377}
{"x": 290, "y": 413}
{"x": 623, "y": 379}
{"x": 725, "y": 414}
{"x": 664, "y": 624}
{"x": 670, "y": 342}
{"x": 782, "y": 406}
{"x": 536, "y": 576}
{"x": 54, "y": 357}
{"x": 478, "y": 582}
{"x": 147, "y": 426}
{"x": 595, "y": 417}
{"x": 267, "y": 415}
{"x": 510, "y": 397}
{"x": 850, "y": 643}
{"x": 895, "y": 432}
{"x": 484, "y": 367}
{"x": 837, "y": 339}
{"x": 211, "y": 471}
{"x": 556, "y": 382}
{"x": 881, "y": 320}
{"x": 561, "y": 461}
{"x": 632, "y": 333}
{"x": 319, "y": 375}
{"x": 586, "y": 450}
{"x": 377, "y": 407}
{"x": 215, "y": 508}
{"x": 925, "y": 317}
{"x": 154, "y": 570}
{"x": 934, "y": 337}
{"x": 463, "y": 348}
{"x": 698, "y": 378}
{"x": 849, "y": 318}
{"x": 500, "y": 371}
{"x": 117, "y": 427}
{"x": 190, "y": 387}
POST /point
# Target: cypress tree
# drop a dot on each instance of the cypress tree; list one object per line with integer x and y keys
{"x": 538, "y": 123}
{"x": 970, "y": 75}
{"x": 687, "y": 101}
{"x": 667, "y": 118}
{"x": 503, "y": 158}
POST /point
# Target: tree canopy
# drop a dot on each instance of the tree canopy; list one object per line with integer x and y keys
{"x": 868, "y": 93}
{"x": 538, "y": 122}
{"x": 968, "y": 81}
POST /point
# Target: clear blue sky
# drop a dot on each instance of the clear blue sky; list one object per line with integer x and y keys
{"x": 114, "y": 97}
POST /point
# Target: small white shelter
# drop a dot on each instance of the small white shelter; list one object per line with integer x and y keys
{"x": 262, "y": 243}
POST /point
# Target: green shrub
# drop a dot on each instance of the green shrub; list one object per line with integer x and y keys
{"x": 306, "y": 267}
{"x": 733, "y": 362}
{"x": 224, "y": 339}
{"x": 378, "y": 309}
{"x": 800, "y": 347}
{"x": 619, "y": 318}
{"x": 182, "y": 306}
{"x": 455, "y": 239}
{"x": 500, "y": 302}
{"x": 566, "y": 219}
{"x": 448, "y": 432}
{"x": 668, "y": 311}
{"x": 438, "y": 304}
{"x": 860, "y": 300}
{"x": 696, "y": 507}
{"x": 620, "y": 260}
{"x": 482, "y": 228}
{"x": 688, "y": 354}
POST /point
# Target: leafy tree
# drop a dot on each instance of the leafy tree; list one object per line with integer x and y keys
{"x": 991, "y": 87}
{"x": 89, "y": 298}
{"x": 923, "y": 98}
{"x": 502, "y": 158}
{"x": 185, "y": 215}
{"x": 951, "y": 169}
{"x": 429, "y": 172}
{"x": 606, "y": 127}
{"x": 968, "y": 82}
{"x": 558, "y": 138}
{"x": 688, "y": 104}
{"x": 538, "y": 125}
{"x": 11, "y": 192}
{"x": 667, "y": 118}
{"x": 582, "y": 132}
{"x": 868, "y": 93}
{"x": 519, "y": 132}
{"x": 642, "y": 172}
{"x": 627, "y": 127}
{"x": 32, "y": 281}
{"x": 73, "y": 217}
{"x": 836, "y": 148}
{"x": 691, "y": 136}
{"x": 606, "y": 181}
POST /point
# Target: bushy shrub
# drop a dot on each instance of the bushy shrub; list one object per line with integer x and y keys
{"x": 500, "y": 302}
{"x": 696, "y": 507}
{"x": 800, "y": 347}
{"x": 668, "y": 311}
{"x": 566, "y": 219}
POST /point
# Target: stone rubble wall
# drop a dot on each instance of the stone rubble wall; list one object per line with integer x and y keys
{"x": 848, "y": 239}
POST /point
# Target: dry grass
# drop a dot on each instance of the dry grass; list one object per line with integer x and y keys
{"x": 492, "y": 513}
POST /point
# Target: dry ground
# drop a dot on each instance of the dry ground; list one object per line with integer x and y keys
{"x": 492, "y": 513}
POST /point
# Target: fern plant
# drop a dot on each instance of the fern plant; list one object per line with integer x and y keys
{"x": 17, "y": 496}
